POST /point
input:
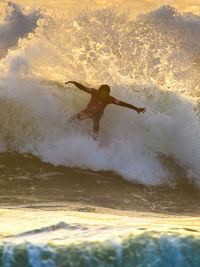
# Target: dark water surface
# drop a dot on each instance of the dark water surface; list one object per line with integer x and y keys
{"x": 26, "y": 181}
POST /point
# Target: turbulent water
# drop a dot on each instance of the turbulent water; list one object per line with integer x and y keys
{"x": 150, "y": 60}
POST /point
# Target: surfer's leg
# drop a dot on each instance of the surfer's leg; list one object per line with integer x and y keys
{"x": 96, "y": 122}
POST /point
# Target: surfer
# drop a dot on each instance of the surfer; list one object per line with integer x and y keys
{"x": 99, "y": 100}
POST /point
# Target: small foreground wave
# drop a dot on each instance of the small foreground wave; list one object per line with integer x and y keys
{"x": 142, "y": 250}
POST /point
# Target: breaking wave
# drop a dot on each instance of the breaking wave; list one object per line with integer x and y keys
{"x": 151, "y": 61}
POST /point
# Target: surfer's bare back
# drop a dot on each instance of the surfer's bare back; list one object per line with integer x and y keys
{"x": 99, "y": 100}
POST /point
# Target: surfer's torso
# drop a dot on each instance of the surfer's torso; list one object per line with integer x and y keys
{"x": 97, "y": 104}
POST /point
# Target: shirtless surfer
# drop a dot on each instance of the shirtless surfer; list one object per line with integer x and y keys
{"x": 99, "y": 100}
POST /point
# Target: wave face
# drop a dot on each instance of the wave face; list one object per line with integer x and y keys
{"x": 150, "y": 61}
{"x": 143, "y": 250}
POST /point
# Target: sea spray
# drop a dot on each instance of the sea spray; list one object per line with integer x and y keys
{"x": 16, "y": 25}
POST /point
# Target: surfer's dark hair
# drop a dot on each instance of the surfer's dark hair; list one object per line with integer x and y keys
{"x": 104, "y": 87}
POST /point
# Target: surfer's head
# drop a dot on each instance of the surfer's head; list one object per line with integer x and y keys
{"x": 104, "y": 90}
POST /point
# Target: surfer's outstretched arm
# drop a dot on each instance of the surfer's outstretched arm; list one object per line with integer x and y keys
{"x": 124, "y": 104}
{"x": 80, "y": 86}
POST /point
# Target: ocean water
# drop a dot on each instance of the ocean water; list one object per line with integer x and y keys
{"x": 132, "y": 197}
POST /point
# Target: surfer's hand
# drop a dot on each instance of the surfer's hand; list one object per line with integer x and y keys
{"x": 141, "y": 110}
{"x": 69, "y": 82}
